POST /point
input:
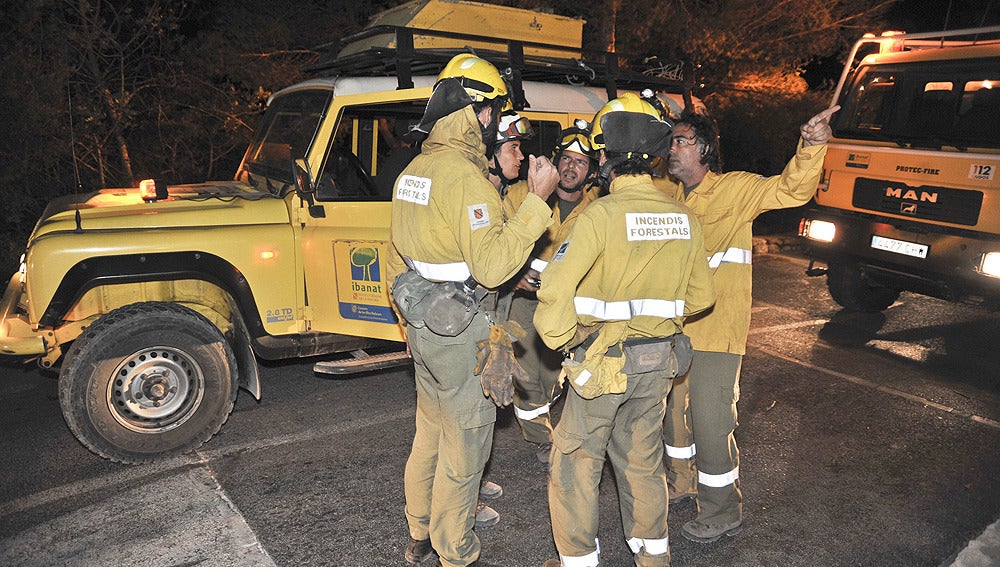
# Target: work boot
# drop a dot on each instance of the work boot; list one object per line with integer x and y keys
{"x": 486, "y": 516}
{"x": 490, "y": 490}
{"x": 418, "y": 551}
{"x": 707, "y": 533}
{"x": 676, "y": 497}
{"x": 542, "y": 451}
{"x": 552, "y": 563}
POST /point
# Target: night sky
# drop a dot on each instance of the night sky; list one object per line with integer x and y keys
{"x": 934, "y": 15}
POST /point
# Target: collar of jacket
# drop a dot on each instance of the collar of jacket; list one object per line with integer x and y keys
{"x": 625, "y": 182}
{"x": 706, "y": 187}
{"x": 460, "y": 131}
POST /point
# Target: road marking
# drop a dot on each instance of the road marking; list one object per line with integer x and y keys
{"x": 180, "y": 519}
{"x": 869, "y": 384}
{"x": 787, "y": 326}
{"x": 133, "y": 475}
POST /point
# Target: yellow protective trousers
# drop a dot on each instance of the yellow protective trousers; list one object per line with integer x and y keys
{"x": 627, "y": 430}
{"x": 698, "y": 434}
{"x": 453, "y": 440}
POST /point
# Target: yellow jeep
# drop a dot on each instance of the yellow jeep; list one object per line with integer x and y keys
{"x": 156, "y": 301}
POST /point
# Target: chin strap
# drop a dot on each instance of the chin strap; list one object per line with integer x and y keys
{"x": 604, "y": 173}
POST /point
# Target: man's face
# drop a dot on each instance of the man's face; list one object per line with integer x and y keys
{"x": 509, "y": 158}
{"x": 572, "y": 168}
{"x": 685, "y": 154}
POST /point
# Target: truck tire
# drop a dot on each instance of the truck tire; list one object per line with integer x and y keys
{"x": 849, "y": 287}
{"x": 147, "y": 381}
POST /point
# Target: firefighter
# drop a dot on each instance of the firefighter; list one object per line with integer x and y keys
{"x": 447, "y": 228}
{"x": 574, "y": 161}
{"x": 607, "y": 299}
{"x": 701, "y": 411}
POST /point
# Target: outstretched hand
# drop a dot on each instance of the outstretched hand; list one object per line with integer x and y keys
{"x": 817, "y": 130}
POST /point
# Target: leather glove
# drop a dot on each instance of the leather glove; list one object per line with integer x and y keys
{"x": 496, "y": 365}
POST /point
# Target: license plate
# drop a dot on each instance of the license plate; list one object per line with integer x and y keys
{"x": 900, "y": 246}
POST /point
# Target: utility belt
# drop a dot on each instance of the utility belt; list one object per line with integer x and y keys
{"x": 445, "y": 308}
{"x": 605, "y": 370}
{"x": 646, "y": 354}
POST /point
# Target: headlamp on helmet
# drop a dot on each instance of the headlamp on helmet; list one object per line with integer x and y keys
{"x": 576, "y": 138}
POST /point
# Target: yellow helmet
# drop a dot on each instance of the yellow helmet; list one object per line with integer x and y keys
{"x": 479, "y": 77}
{"x": 626, "y": 102}
{"x": 576, "y": 138}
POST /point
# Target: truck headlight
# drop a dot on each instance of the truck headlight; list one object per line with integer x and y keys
{"x": 990, "y": 265}
{"x": 823, "y": 231}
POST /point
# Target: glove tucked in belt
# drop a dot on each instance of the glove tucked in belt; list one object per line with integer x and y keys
{"x": 496, "y": 365}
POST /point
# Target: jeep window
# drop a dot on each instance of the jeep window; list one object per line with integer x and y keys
{"x": 926, "y": 104}
{"x": 286, "y": 131}
{"x": 368, "y": 152}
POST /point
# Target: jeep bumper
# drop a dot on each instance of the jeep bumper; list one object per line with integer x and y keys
{"x": 16, "y": 335}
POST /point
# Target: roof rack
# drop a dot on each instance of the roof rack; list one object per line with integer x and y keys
{"x": 579, "y": 67}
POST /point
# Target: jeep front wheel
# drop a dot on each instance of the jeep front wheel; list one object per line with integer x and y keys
{"x": 147, "y": 380}
{"x": 852, "y": 290}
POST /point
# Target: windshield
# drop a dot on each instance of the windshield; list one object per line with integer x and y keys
{"x": 286, "y": 131}
{"x": 926, "y": 104}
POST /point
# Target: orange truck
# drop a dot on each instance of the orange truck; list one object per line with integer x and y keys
{"x": 910, "y": 194}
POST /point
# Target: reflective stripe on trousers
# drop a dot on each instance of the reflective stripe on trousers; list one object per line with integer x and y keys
{"x": 731, "y": 256}
{"x": 592, "y": 559}
{"x": 719, "y": 480}
{"x": 653, "y": 546}
{"x": 681, "y": 452}
{"x": 529, "y": 415}
{"x": 451, "y": 272}
{"x": 624, "y": 310}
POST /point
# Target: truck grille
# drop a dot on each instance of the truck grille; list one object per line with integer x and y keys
{"x": 942, "y": 204}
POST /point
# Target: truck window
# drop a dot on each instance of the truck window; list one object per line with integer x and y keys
{"x": 926, "y": 104}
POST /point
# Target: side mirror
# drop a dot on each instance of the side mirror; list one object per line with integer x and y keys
{"x": 305, "y": 188}
{"x": 303, "y": 179}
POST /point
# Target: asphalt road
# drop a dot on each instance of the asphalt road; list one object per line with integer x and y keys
{"x": 865, "y": 440}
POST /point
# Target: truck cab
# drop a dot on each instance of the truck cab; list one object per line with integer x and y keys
{"x": 910, "y": 194}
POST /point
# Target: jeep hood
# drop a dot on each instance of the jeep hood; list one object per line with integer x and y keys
{"x": 208, "y": 205}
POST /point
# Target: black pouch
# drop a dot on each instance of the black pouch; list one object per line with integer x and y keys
{"x": 672, "y": 354}
{"x": 451, "y": 307}
{"x": 411, "y": 293}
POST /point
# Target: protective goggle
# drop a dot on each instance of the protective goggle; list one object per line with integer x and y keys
{"x": 576, "y": 138}
{"x": 514, "y": 128}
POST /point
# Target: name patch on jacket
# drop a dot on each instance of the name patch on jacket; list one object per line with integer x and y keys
{"x": 414, "y": 189}
{"x": 479, "y": 216}
{"x": 657, "y": 226}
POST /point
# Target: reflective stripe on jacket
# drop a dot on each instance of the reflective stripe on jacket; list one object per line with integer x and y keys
{"x": 636, "y": 255}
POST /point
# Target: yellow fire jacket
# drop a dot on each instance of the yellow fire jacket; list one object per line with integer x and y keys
{"x": 447, "y": 221}
{"x": 634, "y": 258}
{"x": 546, "y": 246}
{"x": 726, "y": 204}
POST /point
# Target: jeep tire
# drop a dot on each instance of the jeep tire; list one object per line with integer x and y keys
{"x": 852, "y": 290}
{"x": 146, "y": 381}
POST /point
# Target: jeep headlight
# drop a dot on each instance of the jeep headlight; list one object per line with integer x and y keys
{"x": 990, "y": 265}
{"x": 23, "y": 269}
